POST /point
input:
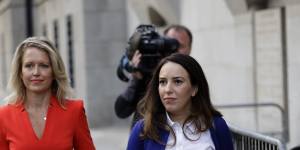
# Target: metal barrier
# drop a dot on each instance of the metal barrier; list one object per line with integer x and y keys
{"x": 247, "y": 140}
{"x": 284, "y": 115}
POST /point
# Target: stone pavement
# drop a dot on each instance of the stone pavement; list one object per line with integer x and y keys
{"x": 110, "y": 138}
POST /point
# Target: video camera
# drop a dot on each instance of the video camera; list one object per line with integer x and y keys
{"x": 151, "y": 45}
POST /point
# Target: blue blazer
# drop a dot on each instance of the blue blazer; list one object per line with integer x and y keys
{"x": 220, "y": 135}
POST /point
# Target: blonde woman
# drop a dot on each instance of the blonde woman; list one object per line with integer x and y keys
{"x": 38, "y": 114}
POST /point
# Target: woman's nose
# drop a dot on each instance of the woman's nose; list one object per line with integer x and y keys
{"x": 168, "y": 87}
{"x": 36, "y": 71}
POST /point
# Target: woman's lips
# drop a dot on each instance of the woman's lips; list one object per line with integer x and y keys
{"x": 36, "y": 81}
{"x": 169, "y": 100}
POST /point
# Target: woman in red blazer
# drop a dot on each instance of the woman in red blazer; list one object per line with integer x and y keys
{"x": 38, "y": 116}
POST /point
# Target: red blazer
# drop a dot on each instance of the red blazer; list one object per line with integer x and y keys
{"x": 65, "y": 129}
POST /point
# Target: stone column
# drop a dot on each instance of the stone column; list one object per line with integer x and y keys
{"x": 105, "y": 40}
{"x": 270, "y": 64}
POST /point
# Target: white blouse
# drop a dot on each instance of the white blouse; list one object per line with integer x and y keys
{"x": 200, "y": 141}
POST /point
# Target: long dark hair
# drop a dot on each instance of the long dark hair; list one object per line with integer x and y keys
{"x": 154, "y": 113}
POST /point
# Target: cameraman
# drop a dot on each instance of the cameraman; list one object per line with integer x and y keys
{"x": 126, "y": 102}
{"x": 183, "y": 35}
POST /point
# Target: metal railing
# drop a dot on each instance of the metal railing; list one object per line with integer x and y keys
{"x": 248, "y": 140}
{"x": 285, "y": 131}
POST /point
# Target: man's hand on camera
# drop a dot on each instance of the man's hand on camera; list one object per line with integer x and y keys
{"x": 135, "y": 62}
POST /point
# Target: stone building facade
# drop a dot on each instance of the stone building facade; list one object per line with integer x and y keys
{"x": 248, "y": 50}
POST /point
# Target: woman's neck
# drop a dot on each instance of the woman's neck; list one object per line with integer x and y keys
{"x": 37, "y": 100}
{"x": 180, "y": 118}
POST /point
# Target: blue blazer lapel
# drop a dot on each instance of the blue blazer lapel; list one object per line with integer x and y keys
{"x": 153, "y": 145}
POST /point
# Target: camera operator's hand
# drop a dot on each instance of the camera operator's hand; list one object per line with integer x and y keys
{"x": 135, "y": 62}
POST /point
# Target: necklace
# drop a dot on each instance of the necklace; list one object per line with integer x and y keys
{"x": 37, "y": 112}
{"x": 45, "y": 115}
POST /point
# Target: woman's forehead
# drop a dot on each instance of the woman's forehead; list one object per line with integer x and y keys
{"x": 172, "y": 69}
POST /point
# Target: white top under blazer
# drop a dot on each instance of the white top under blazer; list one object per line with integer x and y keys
{"x": 200, "y": 141}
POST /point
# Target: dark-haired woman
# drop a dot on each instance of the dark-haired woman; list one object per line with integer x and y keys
{"x": 177, "y": 110}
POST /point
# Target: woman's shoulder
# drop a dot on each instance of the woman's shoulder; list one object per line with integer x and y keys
{"x": 138, "y": 125}
{"x": 6, "y": 108}
{"x": 220, "y": 125}
{"x": 219, "y": 121}
{"x": 74, "y": 104}
{"x": 74, "y": 107}
{"x": 221, "y": 134}
{"x": 3, "y": 109}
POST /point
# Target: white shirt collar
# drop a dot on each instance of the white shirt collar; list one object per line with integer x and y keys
{"x": 188, "y": 126}
{"x": 203, "y": 143}
{"x": 169, "y": 120}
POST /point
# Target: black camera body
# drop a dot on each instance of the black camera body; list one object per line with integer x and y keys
{"x": 148, "y": 41}
{"x": 151, "y": 45}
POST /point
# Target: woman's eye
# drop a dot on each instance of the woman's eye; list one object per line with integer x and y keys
{"x": 44, "y": 65}
{"x": 28, "y": 65}
{"x": 162, "y": 82}
{"x": 178, "y": 82}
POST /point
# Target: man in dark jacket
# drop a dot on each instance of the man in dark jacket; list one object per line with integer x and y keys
{"x": 126, "y": 103}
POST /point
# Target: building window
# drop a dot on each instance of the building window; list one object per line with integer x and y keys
{"x": 56, "y": 33}
{"x": 70, "y": 49}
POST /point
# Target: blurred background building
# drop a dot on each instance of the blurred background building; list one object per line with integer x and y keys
{"x": 249, "y": 50}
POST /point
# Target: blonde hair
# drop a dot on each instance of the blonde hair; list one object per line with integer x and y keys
{"x": 60, "y": 86}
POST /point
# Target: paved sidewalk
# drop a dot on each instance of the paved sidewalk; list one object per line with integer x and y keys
{"x": 110, "y": 138}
